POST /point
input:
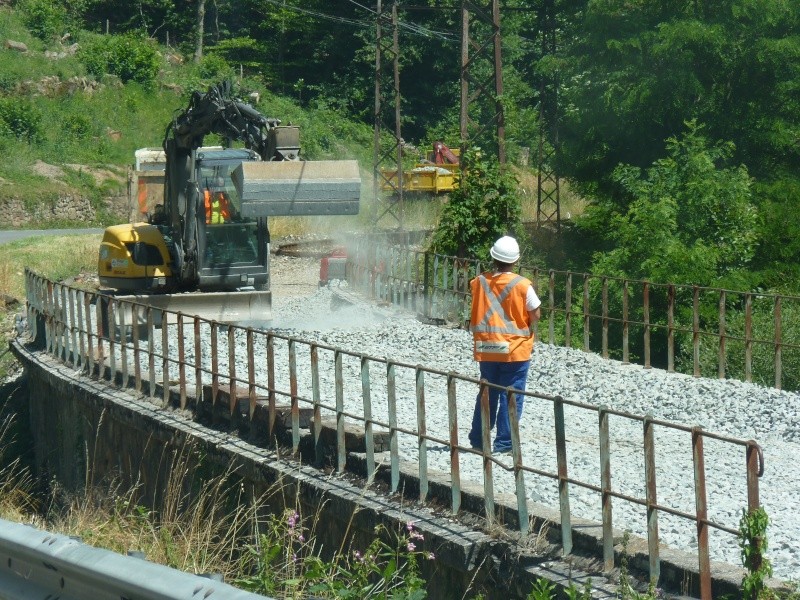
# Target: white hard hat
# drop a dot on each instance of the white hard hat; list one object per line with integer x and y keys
{"x": 505, "y": 250}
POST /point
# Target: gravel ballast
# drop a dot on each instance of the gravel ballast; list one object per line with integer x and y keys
{"x": 732, "y": 408}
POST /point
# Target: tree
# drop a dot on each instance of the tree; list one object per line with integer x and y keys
{"x": 485, "y": 206}
{"x": 199, "y": 31}
{"x": 689, "y": 219}
{"x": 635, "y": 72}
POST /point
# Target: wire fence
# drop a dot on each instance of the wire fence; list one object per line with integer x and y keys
{"x": 142, "y": 348}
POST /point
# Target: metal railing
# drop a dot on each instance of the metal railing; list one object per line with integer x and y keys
{"x": 118, "y": 342}
{"x": 40, "y": 564}
{"x": 703, "y": 331}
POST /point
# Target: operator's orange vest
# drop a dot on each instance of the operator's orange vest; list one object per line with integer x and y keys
{"x": 499, "y": 322}
{"x": 217, "y": 210}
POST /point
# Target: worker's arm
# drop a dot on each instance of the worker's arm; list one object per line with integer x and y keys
{"x": 534, "y": 314}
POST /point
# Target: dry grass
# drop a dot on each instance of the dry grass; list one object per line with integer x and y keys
{"x": 570, "y": 204}
{"x": 199, "y": 532}
{"x": 53, "y": 256}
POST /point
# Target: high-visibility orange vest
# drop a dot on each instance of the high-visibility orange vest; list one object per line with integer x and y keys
{"x": 217, "y": 209}
{"x": 499, "y": 322}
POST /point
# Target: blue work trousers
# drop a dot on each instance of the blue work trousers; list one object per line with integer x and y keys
{"x": 506, "y": 374}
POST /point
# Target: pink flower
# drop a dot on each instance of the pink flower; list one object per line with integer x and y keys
{"x": 431, "y": 556}
{"x": 410, "y": 546}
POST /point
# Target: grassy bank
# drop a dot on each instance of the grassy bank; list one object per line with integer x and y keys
{"x": 57, "y": 257}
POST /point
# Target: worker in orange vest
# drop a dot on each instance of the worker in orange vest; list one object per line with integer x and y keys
{"x": 218, "y": 209}
{"x": 504, "y": 309}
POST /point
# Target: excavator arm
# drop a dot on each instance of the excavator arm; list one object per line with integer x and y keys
{"x": 215, "y": 112}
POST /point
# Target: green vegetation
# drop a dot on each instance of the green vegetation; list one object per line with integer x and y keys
{"x": 753, "y": 544}
{"x": 485, "y": 206}
{"x": 285, "y": 563}
{"x": 204, "y": 525}
{"x": 685, "y": 219}
{"x": 57, "y": 257}
{"x": 129, "y": 57}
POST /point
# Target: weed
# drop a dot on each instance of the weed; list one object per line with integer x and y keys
{"x": 542, "y": 590}
{"x": 575, "y": 593}
{"x": 753, "y": 545}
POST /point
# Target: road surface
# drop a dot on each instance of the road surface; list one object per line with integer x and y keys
{"x": 9, "y": 235}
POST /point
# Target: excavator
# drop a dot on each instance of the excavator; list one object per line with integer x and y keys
{"x": 205, "y": 250}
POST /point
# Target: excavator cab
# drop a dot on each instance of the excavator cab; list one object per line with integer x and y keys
{"x": 232, "y": 249}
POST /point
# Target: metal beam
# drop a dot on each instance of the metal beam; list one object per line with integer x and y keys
{"x": 387, "y": 52}
{"x": 482, "y": 119}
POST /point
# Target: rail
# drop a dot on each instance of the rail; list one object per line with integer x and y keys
{"x": 118, "y": 342}
{"x": 697, "y": 330}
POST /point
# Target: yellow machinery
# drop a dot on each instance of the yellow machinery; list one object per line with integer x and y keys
{"x": 205, "y": 249}
{"x": 438, "y": 174}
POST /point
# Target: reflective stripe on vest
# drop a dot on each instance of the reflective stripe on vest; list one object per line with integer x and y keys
{"x": 499, "y": 320}
{"x": 509, "y": 327}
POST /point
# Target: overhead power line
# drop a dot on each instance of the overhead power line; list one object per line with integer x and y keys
{"x": 412, "y": 28}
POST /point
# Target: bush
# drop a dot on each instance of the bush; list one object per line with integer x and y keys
{"x": 20, "y": 118}
{"x": 485, "y": 206}
{"x": 129, "y": 57}
{"x": 215, "y": 67}
{"x": 44, "y": 18}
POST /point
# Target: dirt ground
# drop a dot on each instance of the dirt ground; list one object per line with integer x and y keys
{"x": 293, "y": 276}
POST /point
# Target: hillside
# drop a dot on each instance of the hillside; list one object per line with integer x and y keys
{"x": 69, "y": 137}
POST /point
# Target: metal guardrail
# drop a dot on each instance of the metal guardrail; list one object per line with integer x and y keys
{"x": 702, "y": 331}
{"x": 94, "y": 334}
{"x": 39, "y": 564}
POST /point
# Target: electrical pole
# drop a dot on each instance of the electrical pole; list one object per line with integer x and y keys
{"x": 548, "y": 196}
{"x": 387, "y": 52}
{"x": 482, "y": 115}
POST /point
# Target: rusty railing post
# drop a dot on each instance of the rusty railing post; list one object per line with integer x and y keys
{"x": 563, "y": 484}
{"x": 422, "y": 442}
{"x": 605, "y": 485}
{"x": 366, "y": 397}
{"x": 701, "y": 507}
{"x": 519, "y": 475}
{"x": 486, "y": 440}
{"x": 455, "y": 463}
{"x": 391, "y": 402}
{"x": 652, "y": 499}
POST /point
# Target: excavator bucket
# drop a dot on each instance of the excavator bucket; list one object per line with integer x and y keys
{"x": 298, "y": 188}
{"x": 247, "y": 308}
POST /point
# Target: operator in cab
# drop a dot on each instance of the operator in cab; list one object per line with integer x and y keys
{"x": 217, "y": 203}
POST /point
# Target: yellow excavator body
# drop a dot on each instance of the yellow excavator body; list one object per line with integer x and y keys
{"x": 134, "y": 256}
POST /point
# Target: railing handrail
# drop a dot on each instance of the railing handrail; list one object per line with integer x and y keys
{"x": 436, "y": 286}
{"x": 60, "y": 309}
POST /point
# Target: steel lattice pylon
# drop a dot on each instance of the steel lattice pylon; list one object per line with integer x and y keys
{"x": 481, "y": 92}
{"x": 387, "y": 51}
{"x": 482, "y": 76}
{"x": 548, "y": 197}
